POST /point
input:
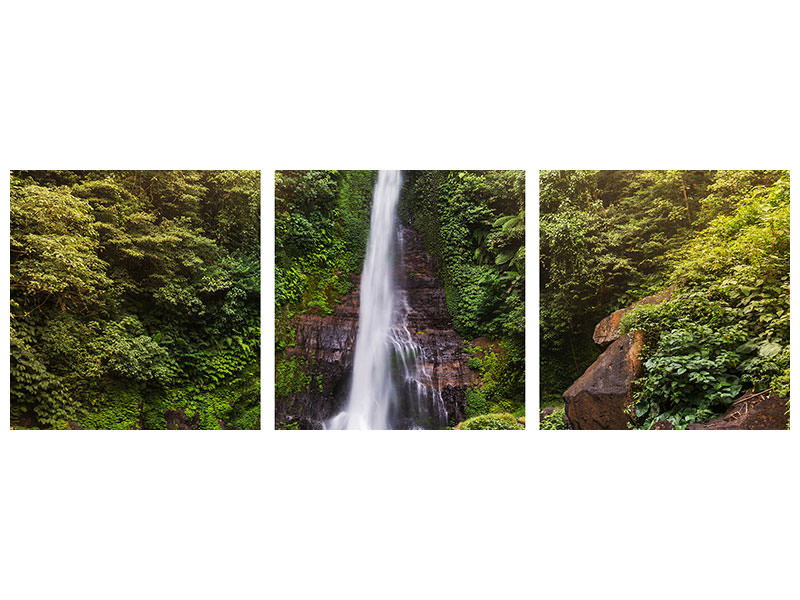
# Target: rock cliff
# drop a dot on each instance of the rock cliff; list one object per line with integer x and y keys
{"x": 431, "y": 327}
{"x": 328, "y": 343}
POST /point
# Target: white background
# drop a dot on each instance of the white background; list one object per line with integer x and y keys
{"x": 414, "y": 514}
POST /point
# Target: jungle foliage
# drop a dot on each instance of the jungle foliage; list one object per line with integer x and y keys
{"x": 321, "y": 229}
{"x": 721, "y": 238}
{"x": 135, "y": 299}
{"x": 473, "y": 225}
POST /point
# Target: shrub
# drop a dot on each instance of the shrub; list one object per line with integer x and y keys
{"x": 555, "y": 420}
{"x": 492, "y": 421}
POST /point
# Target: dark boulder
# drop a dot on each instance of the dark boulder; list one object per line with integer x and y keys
{"x": 601, "y": 396}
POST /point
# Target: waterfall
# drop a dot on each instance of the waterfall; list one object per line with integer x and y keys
{"x": 391, "y": 388}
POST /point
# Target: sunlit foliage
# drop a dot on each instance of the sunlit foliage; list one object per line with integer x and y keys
{"x": 721, "y": 238}
{"x": 127, "y": 286}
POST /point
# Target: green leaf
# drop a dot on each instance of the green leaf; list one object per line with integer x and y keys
{"x": 770, "y": 349}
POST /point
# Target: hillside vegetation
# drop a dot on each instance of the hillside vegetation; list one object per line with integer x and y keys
{"x": 135, "y": 299}
{"x": 719, "y": 238}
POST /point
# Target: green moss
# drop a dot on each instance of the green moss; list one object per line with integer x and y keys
{"x": 291, "y": 376}
{"x": 118, "y": 408}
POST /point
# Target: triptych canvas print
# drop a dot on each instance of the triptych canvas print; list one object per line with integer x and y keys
{"x": 400, "y": 299}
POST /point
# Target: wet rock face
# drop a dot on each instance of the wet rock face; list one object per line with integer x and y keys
{"x": 752, "y": 411}
{"x": 328, "y": 343}
{"x": 431, "y": 327}
{"x": 598, "y": 398}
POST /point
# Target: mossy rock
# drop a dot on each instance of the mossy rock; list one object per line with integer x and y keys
{"x": 493, "y": 421}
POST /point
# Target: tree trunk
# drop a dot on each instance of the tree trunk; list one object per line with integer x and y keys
{"x": 686, "y": 199}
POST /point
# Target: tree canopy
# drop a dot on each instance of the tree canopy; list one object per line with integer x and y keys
{"x": 135, "y": 298}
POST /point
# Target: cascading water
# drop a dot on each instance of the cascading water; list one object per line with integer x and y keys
{"x": 391, "y": 388}
{"x": 420, "y": 403}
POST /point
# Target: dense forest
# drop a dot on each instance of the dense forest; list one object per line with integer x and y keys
{"x": 465, "y": 227}
{"x": 321, "y": 227}
{"x": 135, "y": 299}
{"x": 712, "y": 246}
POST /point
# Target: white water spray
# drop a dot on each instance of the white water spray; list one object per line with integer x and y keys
{"x": 371, "y": 393}
{"x": 391, "y": 387}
